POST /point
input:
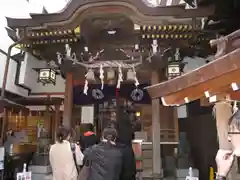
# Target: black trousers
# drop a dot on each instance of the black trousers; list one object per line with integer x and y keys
{"x": 9, "y": 168}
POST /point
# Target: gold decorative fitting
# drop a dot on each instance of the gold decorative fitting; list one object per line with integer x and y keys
{"x": 164, "y": 28}
{"x": 41, "y": 34}
{"x": 158, "y": 36}
{"x": 60, "y": 32}
{"x": 37, "y": 34}
{"x": 175, "y": 27}
{"x": 70, "y": 40}
{"x": 69, "y": 31}
{"x": 143, "y": 36}
{"x": 154, "y": 27}
{"x": 149, "y": 28}
{"x": 77, "y": 30}
{"x": 170, "y": 27}
{"x": 51, "y": 33}
{"x": 144, "y": 27}
{"x": 55, "y": 32}
{"x": 46, "y": 33}
{"x": 148, "y": 36}
{"x": 153, "y": 36}
{"x": 180, "y": 27}
{"x": 159, "y": 28}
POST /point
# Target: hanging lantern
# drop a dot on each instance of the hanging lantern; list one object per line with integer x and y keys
{"x": 90, "y": 75}
{"x": 47, "y": 76}
{"x": 173, "y": 70}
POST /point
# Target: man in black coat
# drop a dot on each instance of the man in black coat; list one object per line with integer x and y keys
{"x": 105, "y": 158}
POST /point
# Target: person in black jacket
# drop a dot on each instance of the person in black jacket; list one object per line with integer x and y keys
{"x": 124, "y": 143}
{"x": 88, "y": 138}
{"x": 105, "y": 158}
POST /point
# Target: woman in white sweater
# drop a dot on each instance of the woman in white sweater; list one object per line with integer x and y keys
{"x": 65, "y": 157}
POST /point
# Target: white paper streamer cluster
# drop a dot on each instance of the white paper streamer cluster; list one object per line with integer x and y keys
{"x": 85, "y": 90}
{"x": 120, "y": 77}
{"x": 135, "y": 77}
{"x": 101, "y": 76}
{"x": 235, "y": 108}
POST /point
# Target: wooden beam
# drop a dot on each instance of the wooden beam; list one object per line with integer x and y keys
{"x": 196, "y": 92}
{"x": 68, "y": 101}
{"x": 156, "y": 134}
{"x": 56, "y": 120}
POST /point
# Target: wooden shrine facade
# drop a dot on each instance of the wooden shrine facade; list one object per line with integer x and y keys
{"x": 98, "y": 31}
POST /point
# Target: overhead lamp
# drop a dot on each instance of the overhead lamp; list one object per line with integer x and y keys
{"x": 173, "y": 70}
{"x": 111, "y": 32}
{"x": 138, "y": 114}
{"x": 86, "y": 49}
{"x": 136, "y": 46}
{"x": 47, "y": 76}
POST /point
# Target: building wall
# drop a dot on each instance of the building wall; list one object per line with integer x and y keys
{"x": 10, "y": 86}
{"x": 27, "y": 77}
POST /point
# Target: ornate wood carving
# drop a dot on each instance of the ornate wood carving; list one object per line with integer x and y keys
{"x": 226, "y": 44}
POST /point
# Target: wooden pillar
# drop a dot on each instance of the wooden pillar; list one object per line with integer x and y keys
{"x": 68, "y": 100}
{"x": 156, "y": 148}
{"x": 223, "y": 112}
{"x": 4, "y": 127}
{"x": 56, "y": 120}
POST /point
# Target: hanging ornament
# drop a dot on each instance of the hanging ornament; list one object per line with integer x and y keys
{"x": 101, "y": 76}
{"x": 235, "y": 107}
{"x": 120, "y": 77}
{"x": 85, "y": 90}
{"x": 90, "y": 75}
{"x": 130, "y": 75}
{"x": 177, "y": 54}
{"x": 135, "y": 77}
{"x": 137, "y": 94}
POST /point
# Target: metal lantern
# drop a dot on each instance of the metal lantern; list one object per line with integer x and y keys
{"x": 173, "y": 70}
{"x": 47, "y": 76}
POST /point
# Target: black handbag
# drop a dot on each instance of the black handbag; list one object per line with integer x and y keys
{"x": 73, "y": 149}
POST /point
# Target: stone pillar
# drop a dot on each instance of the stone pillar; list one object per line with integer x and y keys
{"x": 157, "y": 162}
{"x": 68, "y": 101}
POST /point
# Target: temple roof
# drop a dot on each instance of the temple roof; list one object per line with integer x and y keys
{"x": 135, "y": 7}
{"x": 213, "y": 78}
